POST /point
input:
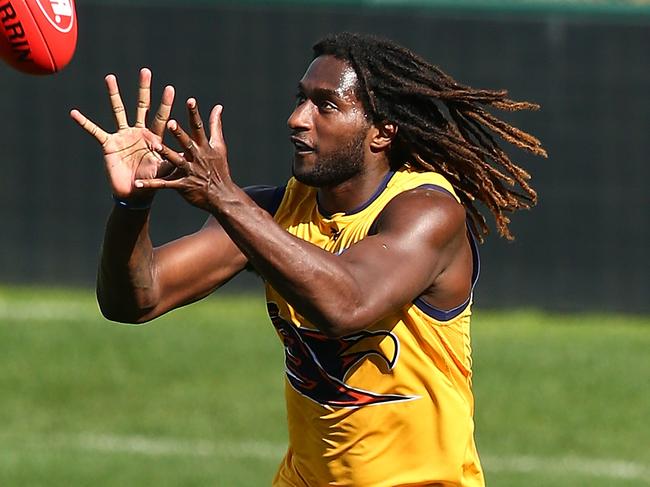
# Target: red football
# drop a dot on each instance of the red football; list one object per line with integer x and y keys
{"x": 38, "y": 36}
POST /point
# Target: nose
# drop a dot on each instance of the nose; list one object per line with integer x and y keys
{"x": 300, "y": 118}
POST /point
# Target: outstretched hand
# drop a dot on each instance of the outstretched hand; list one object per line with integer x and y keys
{"x": 202, "y": 170}
{"x": 128, "y": 153}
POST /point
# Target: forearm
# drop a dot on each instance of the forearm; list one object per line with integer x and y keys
{"x": 311, "y": 279}
{"x": 125, "y": 279}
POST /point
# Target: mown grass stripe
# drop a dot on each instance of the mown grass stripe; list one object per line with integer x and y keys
{"x": 266, "y": 450}
{"x": 42, "y": 310}
{"x": 183, "y": 447}
{"x": 587, "y": 467}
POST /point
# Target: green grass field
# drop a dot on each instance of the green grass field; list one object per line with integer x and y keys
{"x": 195, "y": 398}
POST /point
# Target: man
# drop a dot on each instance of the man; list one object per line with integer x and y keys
{"x": 367, "y": 253}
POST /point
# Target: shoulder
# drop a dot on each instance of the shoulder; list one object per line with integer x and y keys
{"x": 430, "y": 226}
{"x": 426, "y": 211}
{"x": 266, "y": 197}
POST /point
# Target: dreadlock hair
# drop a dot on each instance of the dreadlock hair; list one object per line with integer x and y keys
{"x": 442, "y": 125}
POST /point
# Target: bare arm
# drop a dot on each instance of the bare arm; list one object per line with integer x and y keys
{"x": 420, "y": 247}
{"x": 137, "y": 282}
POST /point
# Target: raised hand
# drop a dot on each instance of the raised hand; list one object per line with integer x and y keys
{"x": 128, "y": 153}
{"x": 202, "y": 170}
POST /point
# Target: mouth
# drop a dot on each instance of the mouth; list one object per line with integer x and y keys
{"x": 301, "y": 147}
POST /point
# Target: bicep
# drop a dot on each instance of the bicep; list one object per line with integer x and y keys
{"x": 416, "y": 240}
{"x": 193, "y": 266}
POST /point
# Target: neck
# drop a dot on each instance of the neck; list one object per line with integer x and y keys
{"x": 352, "y": 193}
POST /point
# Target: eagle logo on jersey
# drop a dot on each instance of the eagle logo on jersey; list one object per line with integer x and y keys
{"x": 317, "y": 365}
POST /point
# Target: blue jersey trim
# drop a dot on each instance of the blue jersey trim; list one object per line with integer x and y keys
{"x": 358, "y": 209}
{"x": 435, "y": 187}
{"x": 373, "y": 228}
{"x": 276, "y": 199}
{"x": 446, "y": 315}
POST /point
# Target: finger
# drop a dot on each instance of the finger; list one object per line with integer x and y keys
{"x": 175, "y": 158}
{"x": 89, "y": 126}
{"x": 168, "y": 171}
{"x": 216, "y": 130}
{"x": 196, "y": 124}
{"x": 164, "y": 110}
{"x": 158, "y": 184}
{"x": 183, "y": 139}
{"x": 116, "y": 102}
{"x": 144, "y": 98}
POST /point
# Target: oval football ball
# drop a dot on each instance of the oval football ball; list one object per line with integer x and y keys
{"x": 38, "y": 36}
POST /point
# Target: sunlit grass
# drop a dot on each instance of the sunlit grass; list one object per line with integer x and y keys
{"x": 195, "y": 398}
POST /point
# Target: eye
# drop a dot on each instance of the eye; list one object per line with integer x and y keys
{"x": 327, "y": 106}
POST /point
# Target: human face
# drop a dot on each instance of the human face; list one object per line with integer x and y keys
{"x": 328, "y": 126}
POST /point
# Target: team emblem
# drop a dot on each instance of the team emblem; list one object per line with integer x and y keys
{"x": 60, "y": 13}
{"x": 317, "y": 365}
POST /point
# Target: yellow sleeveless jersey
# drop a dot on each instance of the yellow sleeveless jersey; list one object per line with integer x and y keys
{"x": 387, "y": 406}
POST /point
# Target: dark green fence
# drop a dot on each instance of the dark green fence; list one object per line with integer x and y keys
{"x": 583, "y": 247}
{"x": 634, "y": 7}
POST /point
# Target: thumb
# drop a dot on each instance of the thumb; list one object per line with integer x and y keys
{"x": 216, "y": 131}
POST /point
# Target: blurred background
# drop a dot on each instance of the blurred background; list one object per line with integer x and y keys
{"x": 586, "y": 62}
{"x": 561, "y": 329}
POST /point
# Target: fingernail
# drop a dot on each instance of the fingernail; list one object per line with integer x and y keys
{"x": 139, "y": 184}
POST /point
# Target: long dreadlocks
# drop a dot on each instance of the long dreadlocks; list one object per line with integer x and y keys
{"x": 442, "y": 125}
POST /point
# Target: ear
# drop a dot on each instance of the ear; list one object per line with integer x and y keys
{"x": 382, "y": 136}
